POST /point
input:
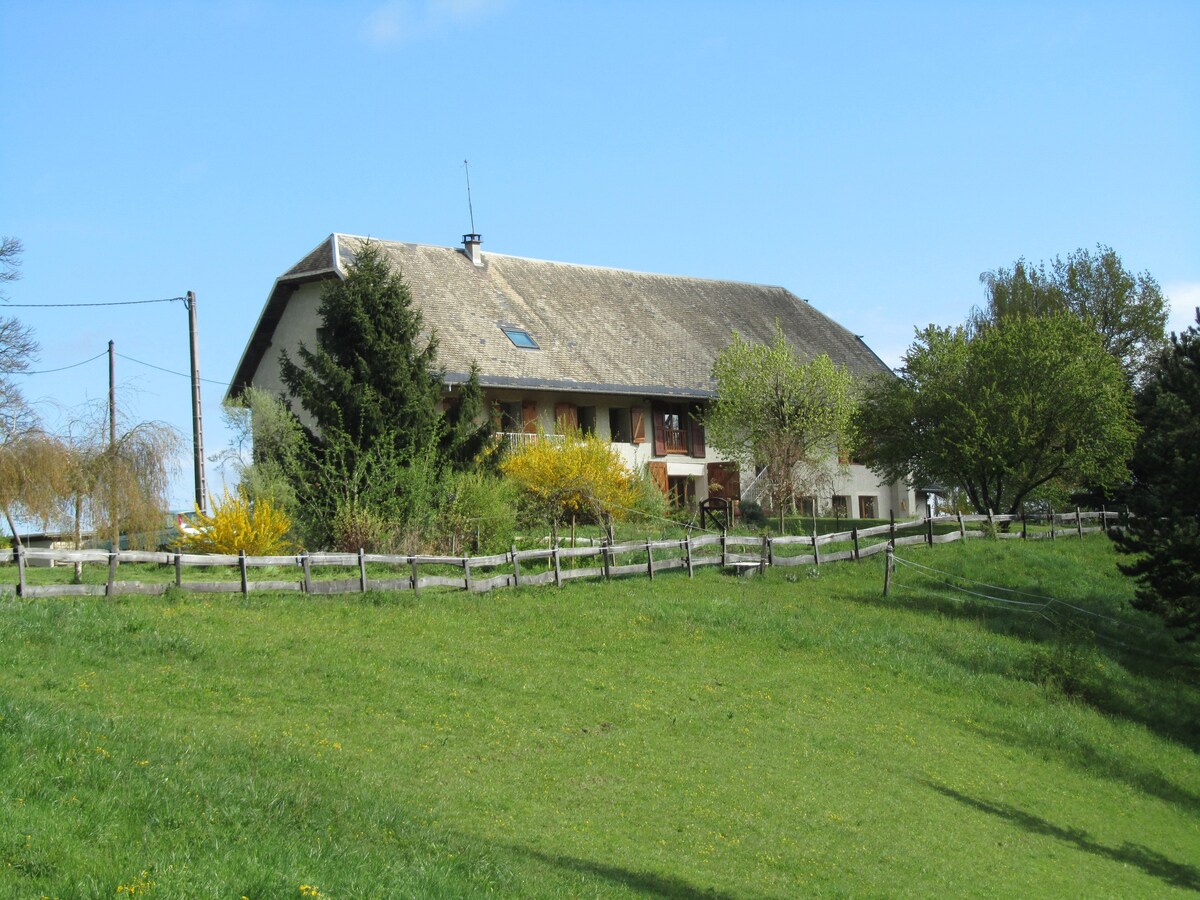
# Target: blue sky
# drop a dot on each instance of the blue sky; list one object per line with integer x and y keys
{"x": 874, "y": 158}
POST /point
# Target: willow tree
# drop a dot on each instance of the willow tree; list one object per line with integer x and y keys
{"x": 35, "y": 472}
{"x": 117, "y": 483}
{"x": 778, "y": 411}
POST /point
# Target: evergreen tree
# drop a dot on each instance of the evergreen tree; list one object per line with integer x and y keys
{"x": 372, "y": 387}
{"x": 1164, "y": 533}
{"x": 373, "y": 375}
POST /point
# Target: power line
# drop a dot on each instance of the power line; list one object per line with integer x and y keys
{"x": 168, "y": 371}
{"x": 62, "y": 368}
{"x": 74, "y": 305}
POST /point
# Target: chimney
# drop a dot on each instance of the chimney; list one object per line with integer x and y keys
{"x": 471, "y": 244}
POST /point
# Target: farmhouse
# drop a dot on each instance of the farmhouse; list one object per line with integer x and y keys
{"x": 625, "y": 355}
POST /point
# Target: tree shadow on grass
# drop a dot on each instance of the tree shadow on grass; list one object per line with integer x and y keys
{"x": 1149, "y": 861}
{"x": 1087, "y": 756}
{"x": 650, "y": 884}
{"x": 1166, "y": 701}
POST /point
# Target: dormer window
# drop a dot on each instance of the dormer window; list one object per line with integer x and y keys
{"x": 520, "y": 338}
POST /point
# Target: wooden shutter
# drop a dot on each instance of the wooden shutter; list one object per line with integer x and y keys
{"x": 728, "y": 476}
{"x": 637, "y": 421}
{"x": 658, "y": 420}
{"x": 529, "y": 416}
{"x": 566, "y": 416}
{"x": 658, "y": 474}
{"x": 696, "y": 427}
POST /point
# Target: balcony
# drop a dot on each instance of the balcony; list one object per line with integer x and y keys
{"x": 525, "y": 438}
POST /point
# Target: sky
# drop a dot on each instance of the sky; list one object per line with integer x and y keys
{"x": 873, "y": 158}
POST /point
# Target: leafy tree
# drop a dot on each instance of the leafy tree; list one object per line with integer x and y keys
{"x": 266, "y": 441}
{"x": 371, "y": 389}
{"x": 775, "y": 410}
{"x": 1128, "y": 311}
{"x": 1164, "y": 533}
{"x": 582, "y": 475}
{"x": 1001, "y": 411}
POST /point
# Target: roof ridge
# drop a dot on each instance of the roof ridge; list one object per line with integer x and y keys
{"x": 573, "y": 265}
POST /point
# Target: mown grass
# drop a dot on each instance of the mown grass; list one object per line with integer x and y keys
{"x": 769, "y": 737}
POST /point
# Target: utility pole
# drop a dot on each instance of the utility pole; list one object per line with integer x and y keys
{"x": 197, "y": 422}
{"x": 112, "y": 448}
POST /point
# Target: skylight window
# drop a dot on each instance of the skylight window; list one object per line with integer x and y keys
{"x": 520, "y": 338}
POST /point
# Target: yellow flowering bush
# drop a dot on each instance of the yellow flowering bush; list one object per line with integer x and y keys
{"x": 238, "y": 524}
{"x": 582, "y": 474}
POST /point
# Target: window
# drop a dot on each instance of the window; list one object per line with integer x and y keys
{"x": 675, "y": 431}
{"x": 587, "y": 419}
{"x": 841, "y": 506}
{"x": 806, "y": 506}
{"x": 510, "y": 417}
{"x": 520, "y": 337}
{"x": 868, "y": 507}
{"x": 681, "y": 489}
{"x": 619, "y": 429}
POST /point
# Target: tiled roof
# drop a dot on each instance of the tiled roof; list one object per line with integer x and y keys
{"x": 599, "y": 329}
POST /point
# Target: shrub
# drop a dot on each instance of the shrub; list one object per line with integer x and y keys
{"x": 237, "y": 524}
{"x": 582, "y": 475}
{"x": 479, "y": 513}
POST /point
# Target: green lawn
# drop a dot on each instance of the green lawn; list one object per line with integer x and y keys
{"x": 776, "y": 737}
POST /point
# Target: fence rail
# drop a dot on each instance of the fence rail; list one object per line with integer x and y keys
{"x": 533, "y": 567}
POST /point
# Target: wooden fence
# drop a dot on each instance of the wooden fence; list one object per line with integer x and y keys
{"x": 349, "y": 572}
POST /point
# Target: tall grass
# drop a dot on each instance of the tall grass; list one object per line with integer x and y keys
{"x": 769, "y": 737}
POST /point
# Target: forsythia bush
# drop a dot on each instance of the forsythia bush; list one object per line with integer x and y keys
{"x": 235, "y": 524}
{"x": 582, "y": 475}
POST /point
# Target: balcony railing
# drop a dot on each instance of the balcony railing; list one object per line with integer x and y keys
{"x": 675, "y": 440}
{"x": 525, "y": 438}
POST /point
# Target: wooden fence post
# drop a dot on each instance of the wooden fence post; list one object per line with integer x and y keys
{"x": 764, "y": 555}
{"x": 991, "y": 525}
{"x": 892, "y": 530}
{"x": 1104, "y": 519}
{"x": 1079, "y": 523}
{"x": 606, "y": 556}
{"x": 962, "y": 527}
{"x": 306, "y": 566}
{"x": 242, "y": 569}
{"x": 1024, "y": 526}
{"x": 687, "y": 549}
{"x": 649, "y": 560}
{"x": 516, "y": 566}
{"x": 362, "y": 572}
{"x": 854, "y": 537}
{"x": 467, "y": 573}
{"x": 412, "y": 563}
{"x": 113, "y": 562}
{"x": 1053, "y": 533}
{"x": 178, "y": 571}
{"x": 724, "y": 551}
{"x": 557, "y": 567}
{"x": 929, "y": 530}
{"x": 19, "y": 552}
{"x": 816, "y": 549}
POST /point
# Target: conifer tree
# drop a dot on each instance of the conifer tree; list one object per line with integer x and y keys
{"x": 372, "y": 388}
{"x": 1164, "y": 532}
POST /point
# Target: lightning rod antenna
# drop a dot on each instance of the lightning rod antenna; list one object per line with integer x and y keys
{"x": 470, "y": 208}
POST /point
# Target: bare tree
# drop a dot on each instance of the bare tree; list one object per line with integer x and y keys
{"x": 18, "y": 350}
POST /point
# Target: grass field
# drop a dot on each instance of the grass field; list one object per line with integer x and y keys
{"x": 777, "y": 737}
